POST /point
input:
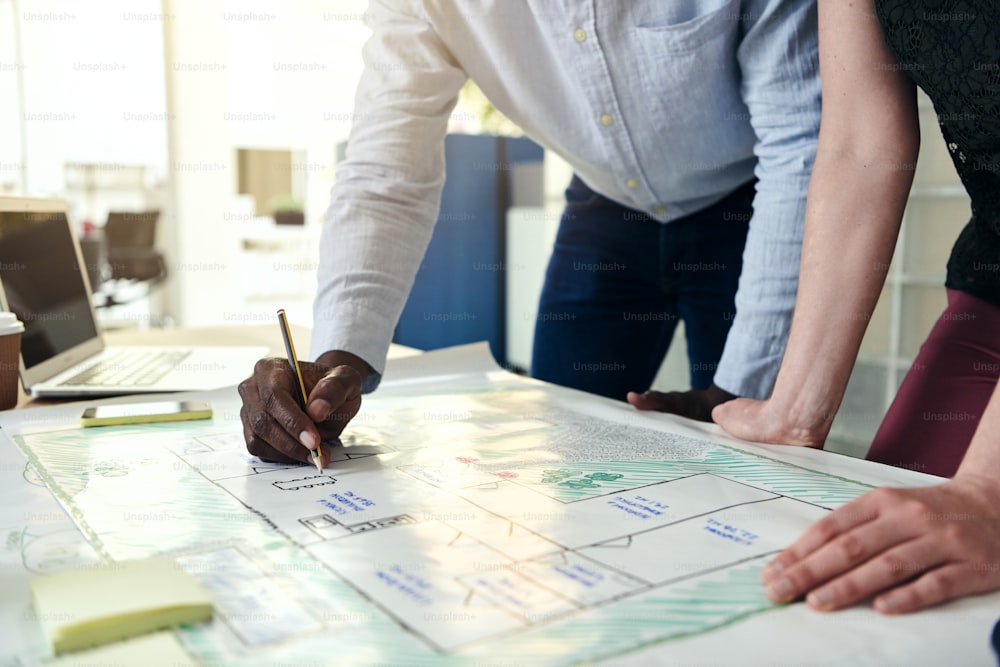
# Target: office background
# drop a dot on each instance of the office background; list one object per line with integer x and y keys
{"x": 214, "y": 112}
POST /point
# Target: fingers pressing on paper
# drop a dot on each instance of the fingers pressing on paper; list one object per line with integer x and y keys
{"x": 693, "y": 404}
{"x": 264, "y": 450}
{"x": 274, "y": 425}
{"x": 909, "y": 548}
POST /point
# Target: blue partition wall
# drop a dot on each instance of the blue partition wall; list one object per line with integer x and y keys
{"x": 459, "y": 293}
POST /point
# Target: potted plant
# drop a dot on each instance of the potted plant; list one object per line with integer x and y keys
{"x": 287, "y": 210}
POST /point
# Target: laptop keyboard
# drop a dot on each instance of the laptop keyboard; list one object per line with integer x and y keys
{"x": 129, "y": 368}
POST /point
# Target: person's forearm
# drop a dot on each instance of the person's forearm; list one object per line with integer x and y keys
{"x": 983, "y": 456}
{"x": 852, "y": 221}
{"x": 867, "y": 151}
{"x": 385, "y": 201}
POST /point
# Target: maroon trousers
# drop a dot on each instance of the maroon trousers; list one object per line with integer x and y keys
{"x": 932, "y": 419}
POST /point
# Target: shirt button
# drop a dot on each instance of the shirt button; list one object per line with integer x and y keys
{"x": 631, "y": 183}
{"x": 606, "y": 119}
{"x": 659, "y": 210}
{"x": 580, "y": 35}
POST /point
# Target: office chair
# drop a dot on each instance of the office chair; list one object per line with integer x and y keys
{"x": 132, "y": 258}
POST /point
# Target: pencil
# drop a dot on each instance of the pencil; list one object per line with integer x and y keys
{"x": 300, "y": 387}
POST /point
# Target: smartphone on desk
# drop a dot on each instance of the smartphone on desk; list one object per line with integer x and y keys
{"x": 145, "y": 413}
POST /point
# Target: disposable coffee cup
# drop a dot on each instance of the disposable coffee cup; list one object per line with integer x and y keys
{"x": 10, "y": 349}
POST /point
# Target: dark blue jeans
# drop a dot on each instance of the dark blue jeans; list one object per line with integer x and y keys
{"x": 996, "y": 640}
{"x": 618, "y": 282}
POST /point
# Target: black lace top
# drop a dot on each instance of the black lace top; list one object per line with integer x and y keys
{"x": 951, "y": 49}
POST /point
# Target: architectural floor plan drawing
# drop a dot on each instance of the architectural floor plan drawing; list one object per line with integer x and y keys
{"x": 485, "y": 517}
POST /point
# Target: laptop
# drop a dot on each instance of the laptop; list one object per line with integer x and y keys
{"x": 44, "y": 281}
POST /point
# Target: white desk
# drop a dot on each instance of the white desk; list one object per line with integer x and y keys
{"x": 326, "y": 574}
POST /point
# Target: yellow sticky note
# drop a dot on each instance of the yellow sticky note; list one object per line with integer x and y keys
{"x": 94, "y": 606}
{"x": 160, "y": 649}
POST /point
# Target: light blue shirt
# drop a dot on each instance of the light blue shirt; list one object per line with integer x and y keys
{"x": 665, "y": 106}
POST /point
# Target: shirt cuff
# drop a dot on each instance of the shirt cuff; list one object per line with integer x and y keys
{"x": 354, "y": 330}
{"x": 749, "y": 367}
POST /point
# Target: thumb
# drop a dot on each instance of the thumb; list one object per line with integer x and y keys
{"x": 337, "y": 393}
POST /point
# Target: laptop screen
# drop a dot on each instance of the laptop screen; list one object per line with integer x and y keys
{"x": 44, "y": 283}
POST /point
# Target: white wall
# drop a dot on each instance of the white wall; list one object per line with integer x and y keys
{"x": 104, "y": 82}
{"x": 90, "y": 74}
{"x": 249, "y": 75}
{"x": 11, "y": 70}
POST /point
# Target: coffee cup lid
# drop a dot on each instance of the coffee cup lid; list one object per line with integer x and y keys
{"x": 10, "y": 324}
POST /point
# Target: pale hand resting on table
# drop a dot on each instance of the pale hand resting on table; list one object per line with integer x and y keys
{"x": 777, "y": 421}
{"x": 276, "y": 428}
{"x": 693, "y": 404}
{"x": 909, "y": 548}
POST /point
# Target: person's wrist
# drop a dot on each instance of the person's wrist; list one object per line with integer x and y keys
{"x": 968, "y": 475}
{"x": 334, "y": 358}
{"x": 806, "y": 418}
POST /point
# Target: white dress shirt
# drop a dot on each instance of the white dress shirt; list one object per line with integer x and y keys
{"x": 665, "y": 106}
